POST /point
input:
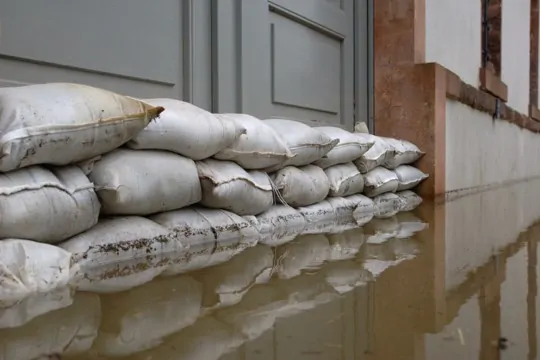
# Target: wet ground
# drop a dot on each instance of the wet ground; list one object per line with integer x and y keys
{"x": 465, "y": 287}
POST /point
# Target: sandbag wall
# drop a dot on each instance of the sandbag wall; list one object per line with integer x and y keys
{"x": 108, "y": 178}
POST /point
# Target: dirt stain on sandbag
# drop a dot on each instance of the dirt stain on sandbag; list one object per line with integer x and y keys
{"x": 146, "y": 244}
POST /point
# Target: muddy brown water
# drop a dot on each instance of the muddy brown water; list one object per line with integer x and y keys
{"x": 463, "y": 287}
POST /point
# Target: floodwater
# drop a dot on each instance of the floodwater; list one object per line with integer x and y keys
{"x": 464, "y": 287}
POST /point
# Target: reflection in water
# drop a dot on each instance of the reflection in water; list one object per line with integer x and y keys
{"x": 445, "y": 282}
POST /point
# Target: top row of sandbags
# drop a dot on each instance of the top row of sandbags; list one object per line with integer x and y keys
{"x": 62, "y": 123}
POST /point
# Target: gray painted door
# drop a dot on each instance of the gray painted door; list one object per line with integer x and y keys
{"x": 286, "y": 58}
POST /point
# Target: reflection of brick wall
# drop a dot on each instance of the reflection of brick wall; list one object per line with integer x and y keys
{"x": 494, "y": 14}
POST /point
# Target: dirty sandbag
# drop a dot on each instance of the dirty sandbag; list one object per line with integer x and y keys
{"x": 225, "y": 185}
{"x": 345, "y": 180}
{"x": 132, "y": 182}
{"x": 387, "y": 205}
{"x": 409, "y": 224}
{"x": 188, "y": 130}
{"x": 302, "y": 186}
{"x": 405, "y": 152}
{"x": 409, "y": 177}
{"x": 259, "y": 148}
{"x": 278, "y": 225}
{"x": 139, "y": 319}
{"x": 121, "y": 238}
{"x": 409, "y": 200}
{"x": 344, "y": 208}
{"x": 28, "y": 268}
{"x": 350, "y": 147}
{"x": 364, "y": 211}
{"x": 61, "y": 123}
{"x": 306, "y": 143}
{"x": 226, "y": 284}
{"x": 379, "y": 231}
{"x": 345, "y": 245}
{"x": 64, "y": 333}
{"x": 377, "y": 155}
{"x": 379, "y": 181}
{"x": 46, "y": 205}
{"x": 34, "y": 305}
{"x": 345, "y": 276}
{"x": 305, "y": 253}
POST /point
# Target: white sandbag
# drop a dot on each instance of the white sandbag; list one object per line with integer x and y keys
{"x": 46, "y": 205}
{"x": 405, "y": 152}
{"x": 350, "y": 147}
{"x": 409, "y": 177}
{"x": 364, "y": 212}
{"x": 345, "y": 180}
{"x": 361, "y": 127}
{"x": 409, "y": 225}
{"x": 64, "y": 333}
{"x": 64, "y": 123}
{"x": 409, "y": 200}
{"x": 379, "y": 181}
{"x": 345, "y": 276}
{"x": 305, "y": 253}
{"x": 188, "y": 130}
{"x": 259, "y": 148}
{"x": 345, "y": 245}
{"x": 211, "y": 237}
{"x": 139, "y": 319}
{"x": 226, "y": 284}
{"x": 380, "y": 230}
{"x": 377, "y": 155}
{"x": 121, "y": 238}
{"x": 302, "y": 186}
{"x": 278, "y": 225}
{"x": 28, "y": 268}
{"x": 306, "y": 143}
{"x": 130, "y": 182}
{"x": 387, "y": 205}
{"x": 225, "y": 185}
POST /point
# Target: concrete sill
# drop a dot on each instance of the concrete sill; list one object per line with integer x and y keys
{"x": 534, "y": 112}
{"x": 491, "y": 83}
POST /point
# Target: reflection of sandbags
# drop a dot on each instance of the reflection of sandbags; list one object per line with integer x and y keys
{"x": 409, "y": 200}
{"x": 66, "y": 332}
{"x": 120, "y": 238}
{"x": 61, "y": 123}
{"x": 187, "y": 130}
{"x": 345, "y": 276}
{"x": 302, "y": 186}
{"x": 131, "y": 182}
{"x": 27, "y": 268}
{"x": 377, "y": 155}
{"x": 307, "y": 144}
{"x": 405, "y": 152}
{"x": 379, "y": 181}
{"x": 259, "y": 148}
{"x": 387, "y": 205}
{"x": 226, "y": 284}
{"x": 305, "y": 253}
{"x": 380, "y": 252}
{"x": 140, "y": 318}
{"x": 409, "y": 177}
{"x": 225, "y": 185}
{"x": 409, "y": 225}
{"x": 35, "y": 305}
{"x": 345, "y": 245}
{"x": 345, "y": 180}
{"x": 278, "y": 225}
{"x": 350, "y": 147}
{"x": 381, "y": 230}
{"x": 46, "y": 205}
{"x": 405, "y": 249}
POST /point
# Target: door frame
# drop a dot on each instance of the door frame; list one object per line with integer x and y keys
{"x": 363, "y": 63}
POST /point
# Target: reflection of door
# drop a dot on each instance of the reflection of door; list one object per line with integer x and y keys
{"x": 290, "y": 58}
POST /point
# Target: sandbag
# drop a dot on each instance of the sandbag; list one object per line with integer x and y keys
{"x": 61, "y": 123}
{"x": 121, "y": 238}
{"x": 409, "y": 177}
{"x": 188, "y": 130}
{"x": 364, "y": 211}
{"x": 305, "y": 253}
{"x": 345, "y": 180}
{"x": 345, "y": 245}
{"x": 409, "y": 225}
{"x": 278, "y": 225}
{"x": 46, "y": 205}
{"x": 259, "y": 148}
{"x": 225, "y": 185}
{"x": 405, "y": 152}
{"x": 379, "y": 181}
{"x": 377, "y": 155}
{"x": 130, "y": 182}
{"x": 307, "y": 144}
{"x": 302, "y": 186}
{"x": 28, "y": 268}
{"x": 64, "y": 333}
{"x": 139, "y": 319}
{"x": 387, "y": 205}
{"x": 350, "y": 147}
{"x": 409, "y": 200}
